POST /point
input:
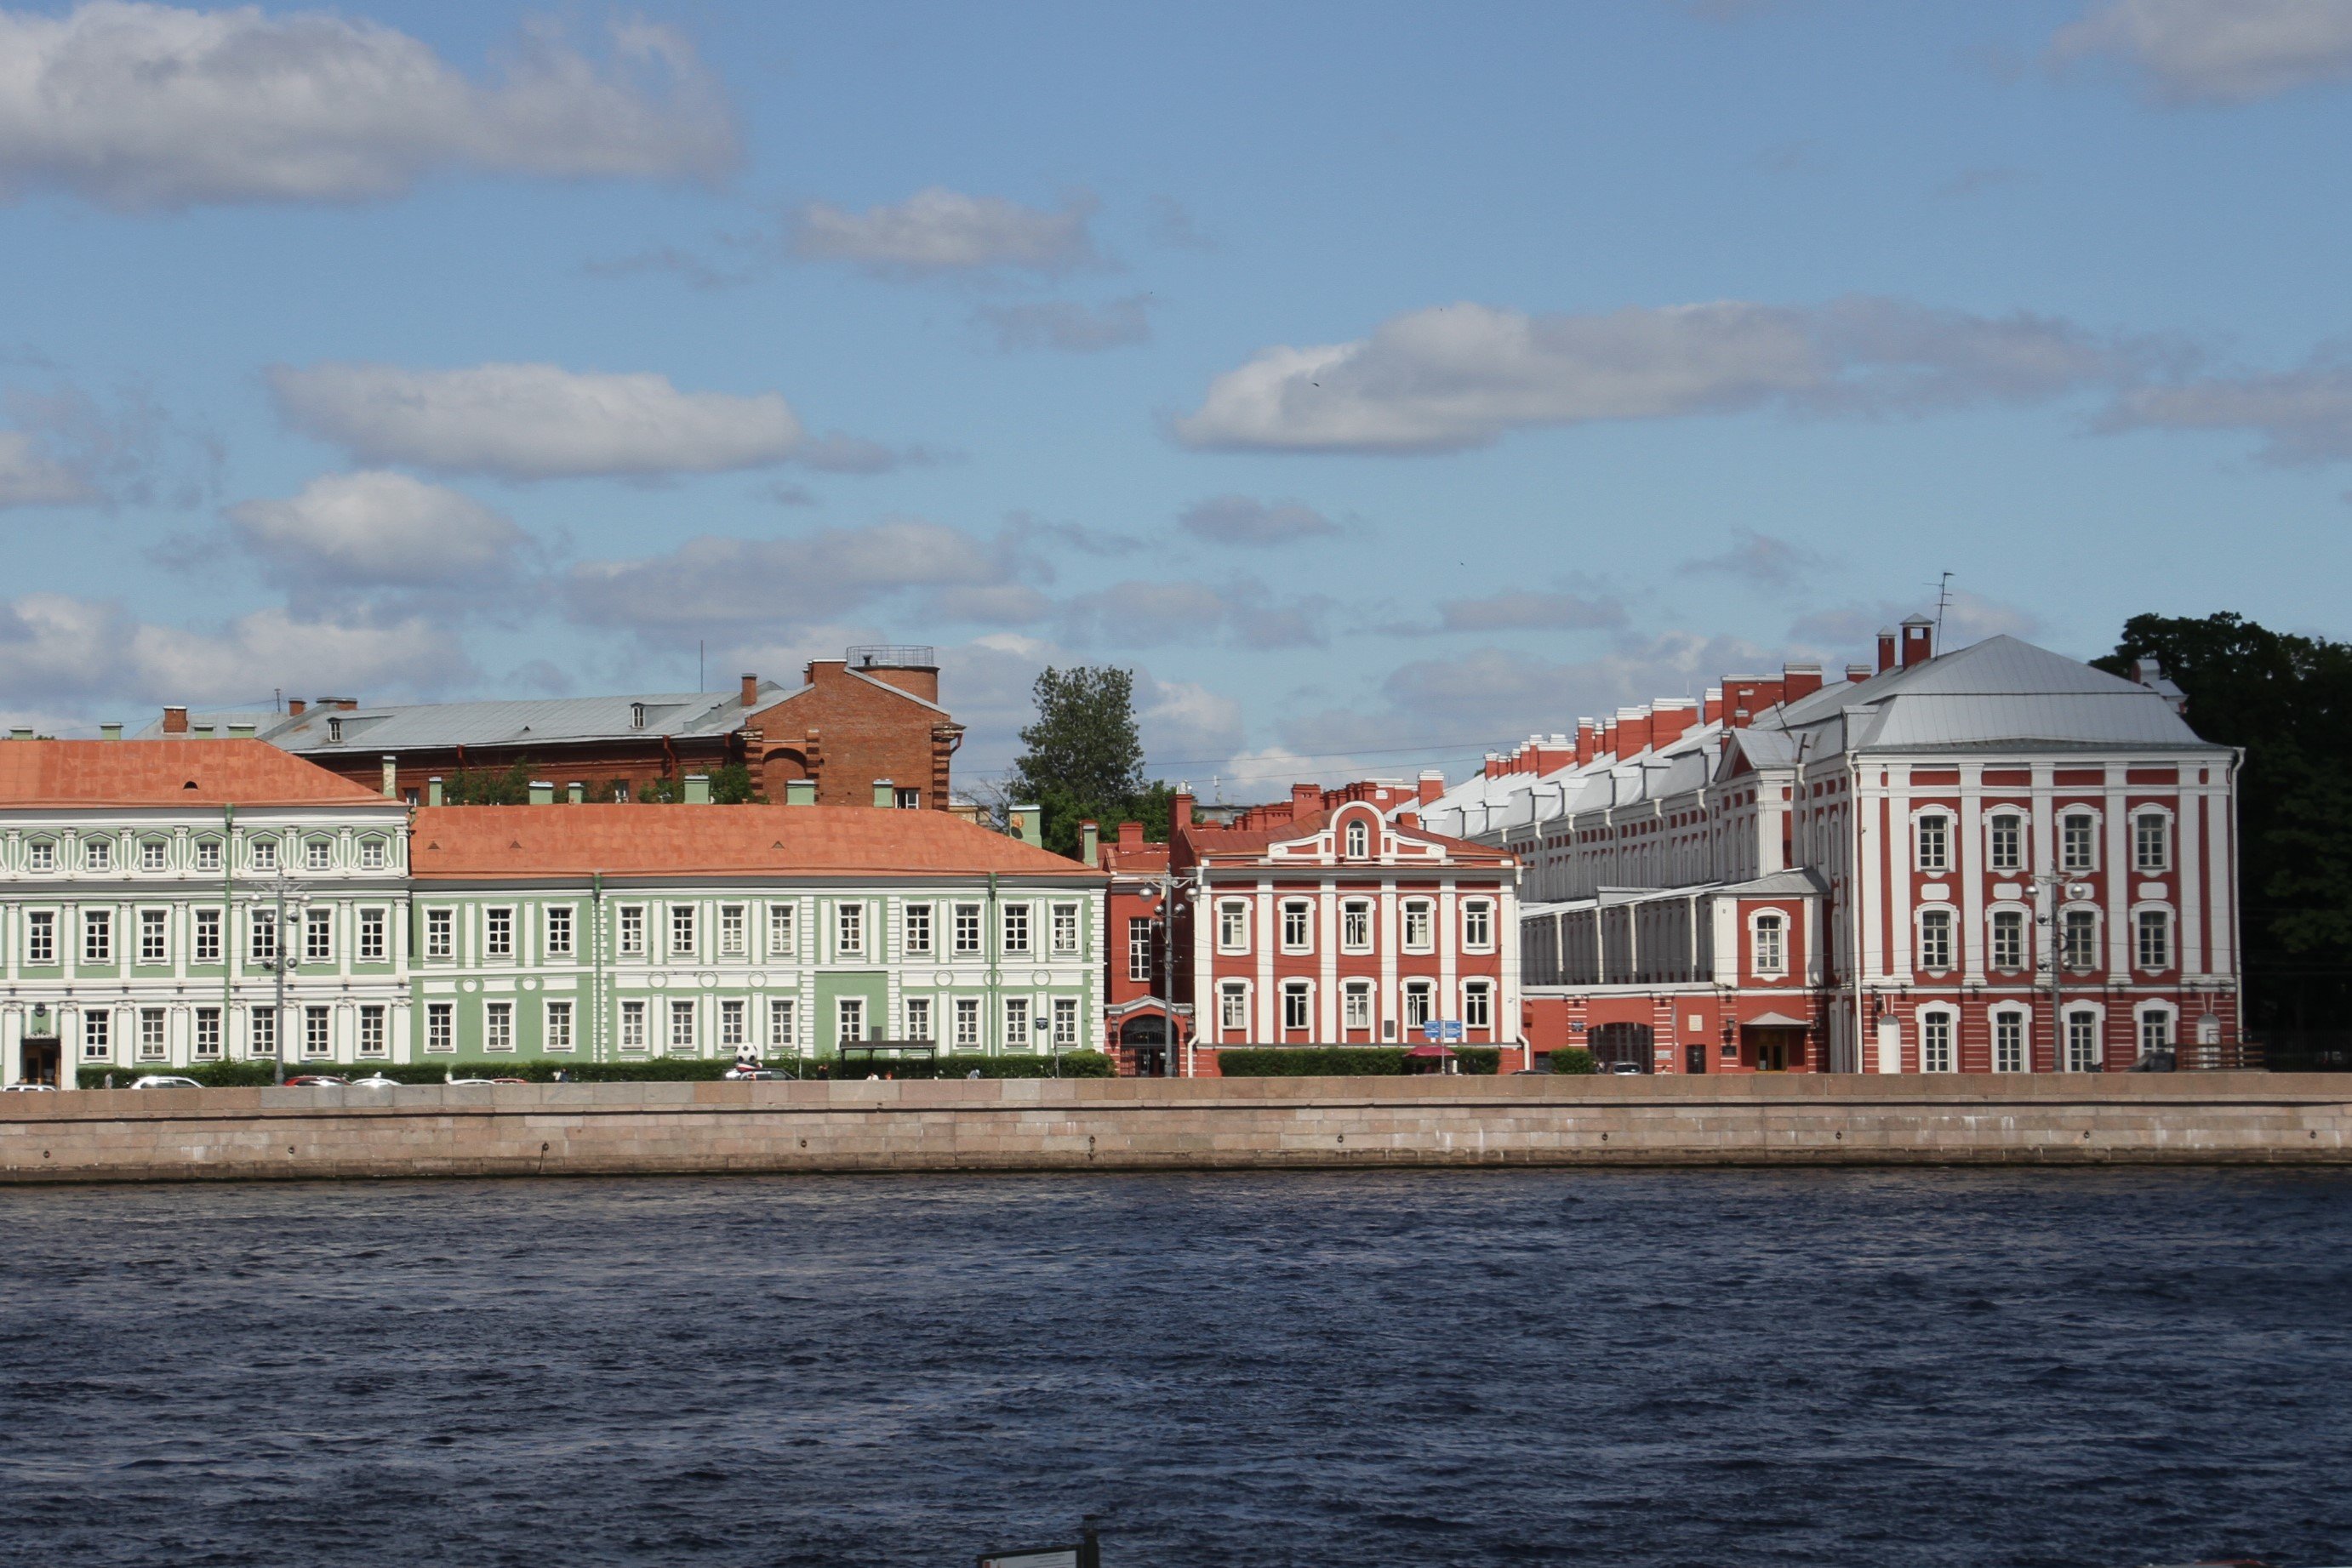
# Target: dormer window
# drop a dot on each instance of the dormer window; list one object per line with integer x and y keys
{"x": 636, "y": 716}
{"x": 334, "y": 732}
{"x": 1359, "y": 841}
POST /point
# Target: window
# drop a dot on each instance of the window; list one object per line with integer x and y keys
{"x": 2081, "y": 939}
{"x": 2154, "y": 1032}
{"x": 2078, "y": 842}
{"x": 498, "y": 933}
{"x": 1417, "y": 993}
{"x": 153, "y": 947}
{"x": 1934, "y": 841}
{"x": 1356, "y": 1005}
{"x": 97, "y": 1035}
{"x": 1296, "y": 997}
{"x": 1297, "y": 926}
{"x": 2153, "y": 928}
{"x": 318, "y": 1031}
{"x": 209, "y": 1034}
{"x": 1356, "y": 926}
{"x": 265, "y": 854}
{"x": 334, "y": 732}
{"x": 1016, "y": 928}
{"x": 1065, "y": 1023}
{"x": 849, "y": 927}
{"x": 1478, "y": 1006}
{"x": 1017, "y": 1024}
{"x": 781, "y": 943}
{"x": 1066, "y": 929}
{"x": 1359, "y": 841}
{"x": 1935, "y": 1042}
{"x": 151, "y": 1034}
{"x": 1232, "y": 1005}
{"x": 849, "y": 1020}
{"x": 967, "y": 1024}
{"x": 371, "y": 854}
{"x": 317, "y": 854}
{"x": 1233, "y": 927}
{"x": 41, "y": 936}
{"x": 2005, "y": 847}
{"x": 733, "y": 1036}
{"x": 374, "y": 1040}
{"x": 1420, "y": 924}
{"x": 264, "y": 1043}
{"x": 633, "y": 930}
{"x": 918, "y": 923}
{"x": 918, "y": 1017}
{"x": 2009, "y": 1042}
{"x": 730, "y": 931}
{"x": 97, "y": 936}
{"x": 1138, "y": 947}
{"x": 42, "y": 856}
{"x": 1771, "y": 948}
{"x": 375, "y": 928}
{"x": 2151, "y": 841}
{"x": 2082, "y": 1041}
{"x": 557, "y": 1034}
{"x": 439, "y": 926}
{"x": 967, "y": 927}
{"x": 208, "y": 936}
{"x": 208, "y": 854}
{"x": 909, "y": 799}
{"x": 681, "y": 1029}
{"x": 1478, "y": 925}
{"x": 780, "y": 1034}
{"x": 318, "y": 937}
{"x": 151, "y": 855}
{"x": 2008, "y": 940}
{"x": 497, "y": 1026}
{"x": 633, "y": 1026}
{"x": 636, "y": 716}
{"x": 99, "y": 855}
{"x": 681, "y": 931}
{"x": 1936, "y": 939}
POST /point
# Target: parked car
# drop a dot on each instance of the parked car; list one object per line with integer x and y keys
{"x": 2153, "y": 1062}
{"x": 742, "y": 1074}
{"x": 27, "y": 1088}
{"x": 472, "y": 1083}
{"x": 375, "y": 1081}
{"x": 1625, "y": 1069}
{"x": 316, "y": 1080}
{"x": 165, "y": 1080}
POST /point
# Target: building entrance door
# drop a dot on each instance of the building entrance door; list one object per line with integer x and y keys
{"x": 1890, "y": 1045}
{"x": 36, "y": 1060}
{"x": 1146, "y": 1041}
{"x": 1775, "y": 1049}
{"x": 1612, "y": 1044}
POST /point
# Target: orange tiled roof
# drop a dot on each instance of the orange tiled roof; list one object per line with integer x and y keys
{"x": 466, "y": 842}
{"x": 167, "y": 773}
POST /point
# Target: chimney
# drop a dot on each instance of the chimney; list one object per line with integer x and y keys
{"x": 750, "y": 692}
{"x": 175, "y": 721}
{"x": 1798, "y": 681}
{"x": 886, "y": 794}
{"x": 1633, "y": 731}
{"x": 1857, "y": 673}
{"x": 1711, "y": 707}
{"x": 390, "y": 776}
{"x": 1130, "y": 835}
{"x": 1432, "y": 784}
{"x": 1409, "y": 819}
{"x": 800, "y": 792}
{"x": 1605, "y": 743}
{"x": 1179, "y": 810}
{"x": 1089, "y": 844}
{"x": 433, "y": 791}
{"x": 1494, "y": 766}
{"x": 1026, "y": 824}
{"x": 340, "y": 704}
{"x": 1885, "y": 649}
{"x": 575, "y": 792}
{"x": 1306, "y": 800}
{"x": 109, "y": 732}
{"x": 542, "y": 792}
{"x": 1918, "y": 641}
{"x": 698, "y": 788}
{"x": 1588, "y": 740}
{"x": 1671, "y": 718}
{"x": 827, "y": 671}
{"x": 297, "y": 707}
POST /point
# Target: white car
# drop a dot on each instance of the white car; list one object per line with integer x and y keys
{"x": 165, "y": 1080}
{"x": 375, "y": 1081}
{"x": 27, "y": 1088}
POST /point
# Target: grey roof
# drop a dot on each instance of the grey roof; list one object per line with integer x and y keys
{"x": 504, "y": 722}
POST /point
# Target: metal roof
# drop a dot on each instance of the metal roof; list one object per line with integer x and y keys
{"x": 504, "y": 722}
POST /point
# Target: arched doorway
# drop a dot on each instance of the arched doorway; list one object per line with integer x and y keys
{"x": 1612, "y": 1043}
{"x": 1144, "y": 1039}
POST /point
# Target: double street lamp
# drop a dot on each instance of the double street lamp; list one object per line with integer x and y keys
{"x": 283, "y": 962}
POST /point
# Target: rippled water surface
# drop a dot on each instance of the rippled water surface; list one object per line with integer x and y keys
{"x": 1689, "y": 1367}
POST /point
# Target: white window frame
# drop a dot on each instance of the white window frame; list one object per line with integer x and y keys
{"x": 1016, "y": 1025}
{"x": 208, "y": 854}
{"x": 498, "y": 1029}
{"x": 968, "y": 933}
{"x": 371, "y": 854}
{"x": 155, "y": 1041}
{"x": 154, "y": 937}
{"x": 784, "y": 1025}
{"x": 2089, "y": 864}
{"x": 683, "y": 931}
{"x": 1931, "y": 841}
{"x": 2160, "y": 1014}
{"x": 915, "y": 930}
{"x": 98, "y": 854}
{"x": 1420, "y": 998}
{"x": 440, "y": 1029}
{"x": 1359, "y": 839}
{"x": 1939, "y": 1040}
{"x": 154, "y": 854}
{"x": 2021, "y": 829}
{"x": 734, "y": 1025}
{"x": 263, "y": 853}
{"x": 1298, "y": 998}
{"x": 97, "y": 1035}
{"x": 206, "y": 943}
{"x": 41, "y": 938}
{"x": 1014, "y": 926}
{"x": 2162, "y": 861}
{"x": 633, "y": 1038}
{"x": 1356, "y": 1006}
{"x": 1356, "y": 918}
{"x": 1943, "y": 918}
{"x": 2012, "y": 916}
{"x": 441, "y": 933}
{"x": 629, "y": 931}
{"x": 783, "y": 930}
{"x": 849, "y": 927}
{"x": 375, "y": 935}
{"x": 375, "y": 1030}
{"x": 734, "y": 938}
{"x": 262, "y": 938}
{"x": 2165, "y": 926}
{"x": 2095, "y": 919}
{"x": 2020, "y": 1022}
{"x": 1478, "y": 1004}
{"x": 1478, "y": 925}
{"x": 1421, "y": 913}
{"x": 206, "y": 1044}
{"x": 1065, "y": 929}
{"x": 261, "y": 1034}
{"x": 919, "y": 1018}
{"x": 1768, "y": 943}
{"x": 1139, "y": 948}
{"x": 1298, "y": 915}
{"x": 680, "y": 1037}
{"x": 317, "y": 1033}
{"x": 848, "y": 1020}
{"x": 559, "y": 930}
{"x": 318, "y": 854}
{"x": 1065, "y": 1023}
{"x": 1233, "y": 926}
{"x": 967, "y": 1024}
{"x": 1232, "y": 1008}
{"x": 2077, "y": 1052}
{"x": 319, "y": 935}
{"x": 41, "y": 855}
{"x": 98, "y": 935}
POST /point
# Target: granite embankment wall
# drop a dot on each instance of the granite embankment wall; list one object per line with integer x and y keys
{"x": 1158, "y": 1125}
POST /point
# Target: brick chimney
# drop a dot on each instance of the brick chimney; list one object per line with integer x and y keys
{"x": 1633, "y": 731}
{"x": 1885, "y": 649}
{"x": 1130, "y": 836}
{"x": 1588, "y": 740}
{"x": 1089, "y": 844}
{"x": 1671, "y": 718}
{"x": 1711, "y": 706}
{"x": 1918, "y": 641}
{"x": 1429, "y": 785}
{"x": 750, "y": 692}
{"x": 1306, "y": 800}
{"x": 175, "y": 721}
{"x": 1179, "y": 810}
{"x": 1857, "y": 672}
{"x": 1798, "y": 681}
{"x": 297, "y": 707}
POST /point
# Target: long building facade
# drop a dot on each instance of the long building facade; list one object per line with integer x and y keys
{"x": 1996, "y": 859}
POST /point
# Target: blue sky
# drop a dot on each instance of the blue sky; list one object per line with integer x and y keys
{"x": 1379, "y": 383}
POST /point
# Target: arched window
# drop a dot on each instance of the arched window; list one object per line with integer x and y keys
{"x": 2009, "y": 1042}
{"x": 1359, "y": 840}
{"x": 1935, "y": 1050}
{"x": 2082, "y": 1040}
{"x": 1770, "y": 946}
{"x": 2005, "y": 844}
{"x": 2009, "y": 940}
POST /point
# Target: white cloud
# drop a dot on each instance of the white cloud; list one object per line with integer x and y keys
{"x": 1761, "y": 560}
{"x": 29, "y": 476}
{"x": 1462, "y": 375}
{"x": 991, "y": 604}
{"x": 1183, "y": 722}
{"x": 938, "y": 230}
{"x": 146, "y": 105}
{"x": 1244, "y": 520}
{"x": 375, "y": 529}
{"x": 2303, "y": 415}
{"x": 532, "y": 421}
{"x": 1069, "y": 326}
{"x": 1529, "y": 609}
{"x": 1142, "y": 614}
{"x": 2216, "y": 51}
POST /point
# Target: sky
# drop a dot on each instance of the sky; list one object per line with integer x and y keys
{"x": 1380, "y": 383}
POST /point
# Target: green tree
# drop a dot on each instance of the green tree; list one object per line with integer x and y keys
{"x": 1084, "y": 758}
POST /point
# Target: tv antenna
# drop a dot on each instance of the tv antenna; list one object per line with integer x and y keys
{"x": 1943, "y": 603}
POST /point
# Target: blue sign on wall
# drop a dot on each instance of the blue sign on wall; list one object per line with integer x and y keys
{"x": 1442, "y": 1028}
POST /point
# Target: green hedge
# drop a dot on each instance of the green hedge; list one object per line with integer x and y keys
{"x": 653, "y": 1070}
{"x": 1573, "y": 1059}
{"x": 1343, "y": 1061}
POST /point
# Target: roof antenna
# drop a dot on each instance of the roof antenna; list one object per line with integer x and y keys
{"x": 1943, "y": 603}
{"x": 698, "y": 656}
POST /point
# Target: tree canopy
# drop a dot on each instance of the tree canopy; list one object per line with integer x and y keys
{"x": 1083, "y": 758}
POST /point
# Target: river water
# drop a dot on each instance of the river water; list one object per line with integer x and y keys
{"x": 1700, "y": 1367}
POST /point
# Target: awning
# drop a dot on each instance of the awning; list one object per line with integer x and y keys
{"x": 1429, "y": 1050}
{"x": 1774, "y": 1021}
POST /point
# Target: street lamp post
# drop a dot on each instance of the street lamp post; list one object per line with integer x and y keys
{"x": 283, "y": 961}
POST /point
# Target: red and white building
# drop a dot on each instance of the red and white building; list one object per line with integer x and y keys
{"x": 1334, "y": 918}
{"x": 1143, "y": 1025}
{"x": 1994, "y": 859}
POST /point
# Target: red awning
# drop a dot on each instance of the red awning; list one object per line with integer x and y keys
{"x": 1429, "y": 1050}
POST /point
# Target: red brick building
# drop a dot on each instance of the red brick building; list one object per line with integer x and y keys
{"x": 1144, "y": 1027}
{"x": 873, "y": 715}
{"x": 1333, "y": 918}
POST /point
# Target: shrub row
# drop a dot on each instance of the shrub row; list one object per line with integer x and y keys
{"x": 1342, "y": 1060}
{"x": 1573, "y": 1059}
{"x": 656, "y": 1069}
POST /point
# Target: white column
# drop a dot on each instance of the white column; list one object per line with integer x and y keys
{"x": 1269, "y": 937}
{"x": 1327, "y": 966}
